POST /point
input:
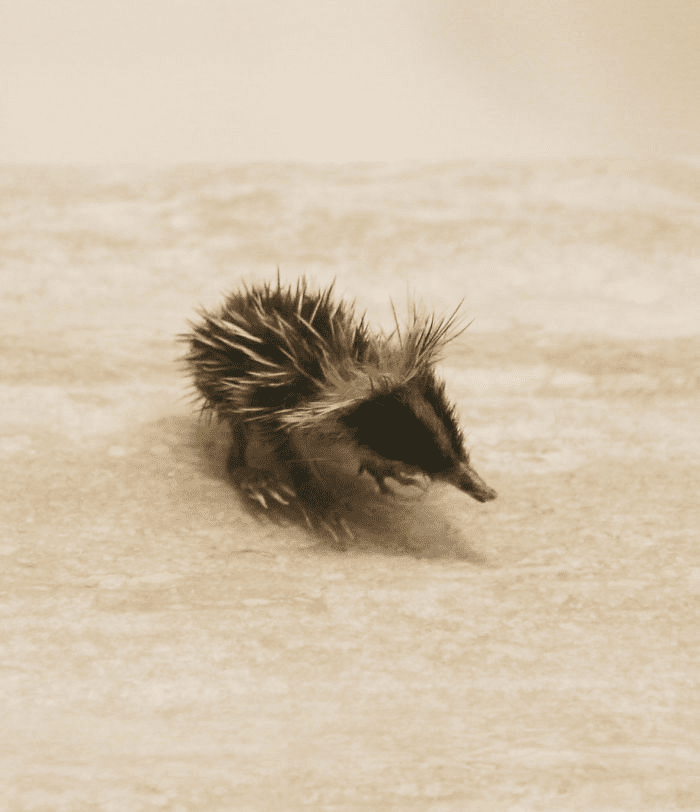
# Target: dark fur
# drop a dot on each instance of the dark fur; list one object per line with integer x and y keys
{"x": 285, "y": 363}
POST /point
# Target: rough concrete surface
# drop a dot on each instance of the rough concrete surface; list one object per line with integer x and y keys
{"x": 162, "y": 648}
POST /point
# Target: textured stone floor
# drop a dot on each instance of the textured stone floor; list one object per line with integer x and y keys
{"x": 162, "y": 648}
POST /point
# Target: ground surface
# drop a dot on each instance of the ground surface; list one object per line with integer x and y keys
{"x": 162, "y": 649}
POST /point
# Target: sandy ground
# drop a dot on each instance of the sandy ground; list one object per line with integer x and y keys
{"x": 161, "y": 648}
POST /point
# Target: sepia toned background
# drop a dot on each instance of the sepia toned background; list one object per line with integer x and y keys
{"x": 162, "y": 648}
{"x": 242, "y": 80}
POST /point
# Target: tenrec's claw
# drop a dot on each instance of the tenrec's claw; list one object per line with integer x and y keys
{"x": 276, "y": 496}
{"x": 287, "y": 491}
{"x": 408, "y": 479}
{"x": 258, "y": 497}
{"x": 329, "y": 527}
{"x": 307, "y": 519}
{"x": 383, "y": 487}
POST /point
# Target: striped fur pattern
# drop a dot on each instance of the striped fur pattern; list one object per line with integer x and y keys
{"x": 288, "y": 361}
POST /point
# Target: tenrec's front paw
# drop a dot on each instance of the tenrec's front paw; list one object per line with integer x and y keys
{"x": 399, "y": 471}
{"x": 261, "y": 486}
{"x": 379, "y": 471}
{"x": 409, "y": 476}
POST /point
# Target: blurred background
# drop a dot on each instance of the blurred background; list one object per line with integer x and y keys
{"x": 328, "y": 80}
